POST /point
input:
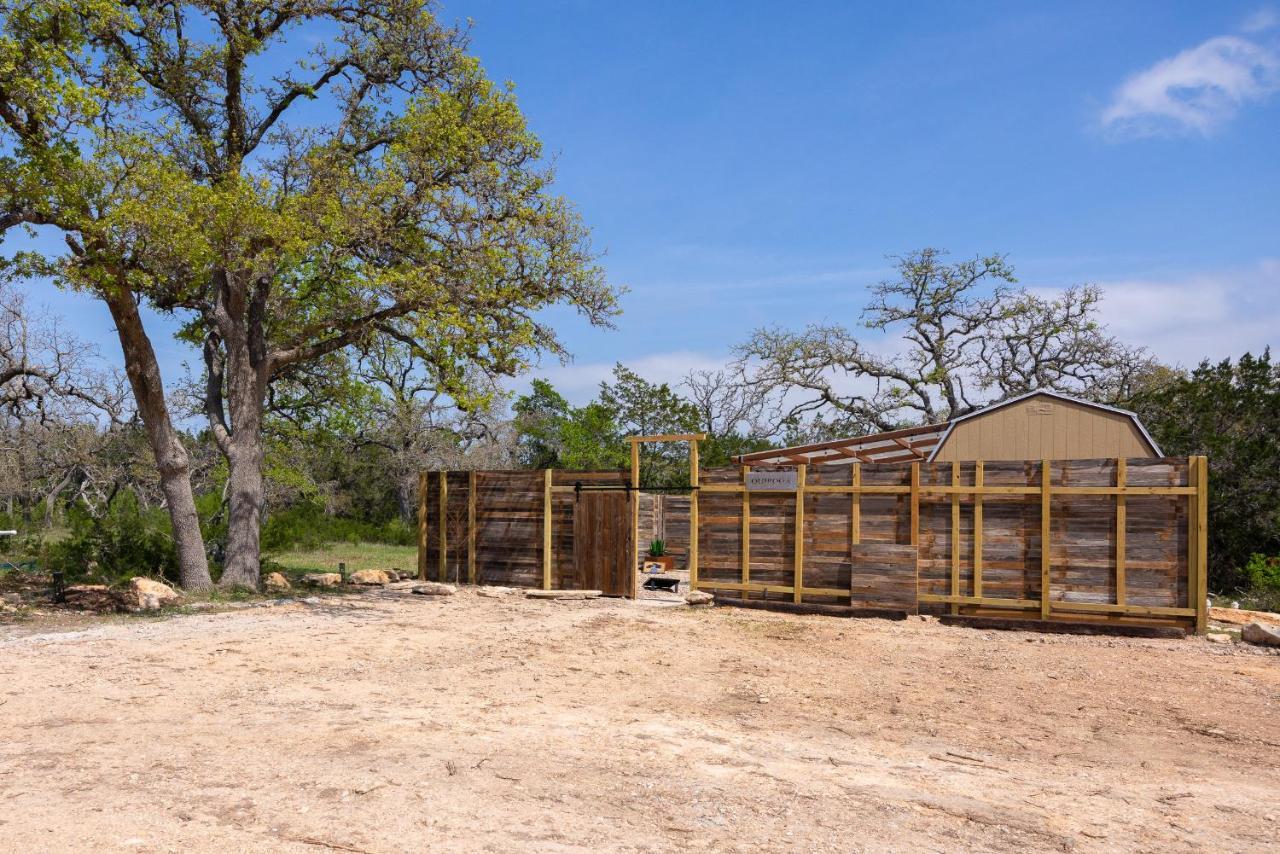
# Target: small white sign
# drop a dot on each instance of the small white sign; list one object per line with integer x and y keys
{"x": 779, "y": 481}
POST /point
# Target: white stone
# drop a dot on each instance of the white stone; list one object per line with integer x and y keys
{"x": 434, "y": 588}
{"x": 1261, "y": 635}
{"x": 322, "y": 579}
{"x": 144, "y": 594}
{"x": 369, "y": 577}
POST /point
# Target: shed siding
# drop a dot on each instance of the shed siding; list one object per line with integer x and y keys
{"x": 1044, "y": 428}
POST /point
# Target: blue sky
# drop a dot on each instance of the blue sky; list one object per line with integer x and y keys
{"x": 753, "y": 163}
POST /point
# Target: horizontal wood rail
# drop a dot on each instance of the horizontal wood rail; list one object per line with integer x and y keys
{"x": 1074, "y": 540}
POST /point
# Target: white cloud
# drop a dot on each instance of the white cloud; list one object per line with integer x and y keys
{"x": 1207, "y": 315}
{"x": 1196, "y": 91}
{"x": 1262, "y": 20}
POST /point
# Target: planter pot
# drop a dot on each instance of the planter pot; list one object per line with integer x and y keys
{"x": 661, "y": 563}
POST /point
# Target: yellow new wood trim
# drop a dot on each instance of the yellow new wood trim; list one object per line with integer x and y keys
{"x": 694, "y": 533}
{"x": 955, "y": 535}
{"x": 471, "y": 527}
{"x": 669, "y": 437}
{"x": 1131, "y": 610}
{"x": 746, "y": 531}
{"x": 422, "y": 526}
{"x": 546, "y": 530}
{"x": 635, "y": 509}
{"x": 1202, "y": 542}
{"x": 977, "y": 530}
{"x": 1058, "y": 606}
{"x": 1045, "y": 556}
{"x": 1122, "y": 474}
{"x": 984, "y": 601}
{"x": 930, "y": 491}
{"x": 915, "y": 504}
{"x": 855, "y": 509}
{"x": 798, "y": 593}
{"x": 443, "y": 570}
{"x": 771, "y": 588}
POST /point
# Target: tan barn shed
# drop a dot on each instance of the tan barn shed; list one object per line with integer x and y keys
{"x": 1038, "y": 425}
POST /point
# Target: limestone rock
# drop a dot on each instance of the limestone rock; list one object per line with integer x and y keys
{"x": 144, "y": 594}
{"x": 369, "y": 577}
{"x": 276, "y": 583}
{"x": 1261, "y": 635}
{"x": 699, "y": 597}
{"x": 563, "y": 594}
{"x": 494, "y": 592}
{"x": 1217, "y": 637}
{"x": 322, "y": 579}
{"x": 435, "y": 588}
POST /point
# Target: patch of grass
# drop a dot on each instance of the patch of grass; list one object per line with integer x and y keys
{"x": 356, "y": 556}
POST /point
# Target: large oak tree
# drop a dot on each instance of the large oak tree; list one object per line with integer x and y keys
{"x": 286, "y": 203}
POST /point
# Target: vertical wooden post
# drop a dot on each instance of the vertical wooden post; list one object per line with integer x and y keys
{"x": 798, "y": 581}
{"x": 693, "y": 514}
{"x": 1202, "y": 543}
{"x": 1044, "y": 539}
{"x": 634, "y": 492}
{"x": 471, "y": 527}
{"x": 444, "y": 521}
{"x": 978, "y": 483}
{"x": 1122, "y": 524}
{"x": 422, "y": 526}
{"x": 855, "y": 511}
{"x": 546, "y": 529}
{"x": 915, "y": 504}
{"x": 746, "y": 534}
{"x": 955, "y": 534}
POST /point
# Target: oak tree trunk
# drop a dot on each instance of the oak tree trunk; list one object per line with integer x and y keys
{"x": 243, "y": 378}
{"x": 171, "y": 457}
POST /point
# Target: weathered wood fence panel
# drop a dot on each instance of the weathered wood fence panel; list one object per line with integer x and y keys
{"x": 1093, "y": 540}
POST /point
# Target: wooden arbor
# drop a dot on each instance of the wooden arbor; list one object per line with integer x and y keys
{"x": 693, "y": 439}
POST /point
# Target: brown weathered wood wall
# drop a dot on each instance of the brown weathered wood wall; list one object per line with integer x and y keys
{"x": 1126, "y": 537}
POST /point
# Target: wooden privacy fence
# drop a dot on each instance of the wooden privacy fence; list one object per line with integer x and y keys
{"x": 1114, "y": 541}
{"x": 512, "y": 528}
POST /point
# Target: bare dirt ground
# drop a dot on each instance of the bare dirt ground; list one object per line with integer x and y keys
{"x": 394, "y": 723}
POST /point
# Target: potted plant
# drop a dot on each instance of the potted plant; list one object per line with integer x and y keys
{"x": 658, "y": 559}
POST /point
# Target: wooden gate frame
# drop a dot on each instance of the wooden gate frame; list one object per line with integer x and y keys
{"x": 693, "y": 439}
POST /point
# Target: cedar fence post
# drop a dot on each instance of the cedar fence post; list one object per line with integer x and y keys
{"x": 1044, "y": 539}
{"x": 471, "y": 527}
{"x": 1202, "y": 543}
{"x": 746, "y": 534}
{"x": 955, "y": 535}
{"x": 693, "y": 514}
{"x": 1122, "y": 524}
{"x": 422, "y": 526}
{"x": 443, "y": 571}
{"x": 546, "y": 529}
{"x": 978, "y": 483}
{"x": 797, "y": 594}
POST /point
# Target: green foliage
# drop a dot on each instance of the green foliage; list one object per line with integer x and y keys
{"x": 657, "y": 548}
{"x": 1229, "y": 412}
{"x": 1262, "y": 572}
{"x": 125, "y": 541}
{"x": 305, "y": 526}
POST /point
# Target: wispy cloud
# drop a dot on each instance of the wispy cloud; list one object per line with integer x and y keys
{"x": 1262, "y": 20}
{"x": 1200, "y": 89}
{"x": 1212, "y": 315}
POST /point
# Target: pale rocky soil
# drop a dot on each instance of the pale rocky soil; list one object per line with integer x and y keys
{"x": 394, "y": 723}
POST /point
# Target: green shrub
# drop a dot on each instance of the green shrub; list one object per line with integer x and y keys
{"x": 306, "y": 526}
{"x": 1263, "y": 572}
{"x": 127, "y": 540}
